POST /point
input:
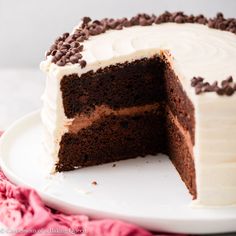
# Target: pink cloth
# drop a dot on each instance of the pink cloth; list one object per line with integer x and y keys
{"x": 22, "y": 209}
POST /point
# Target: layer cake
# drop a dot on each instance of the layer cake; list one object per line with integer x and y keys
{"x": 119, "y": 89}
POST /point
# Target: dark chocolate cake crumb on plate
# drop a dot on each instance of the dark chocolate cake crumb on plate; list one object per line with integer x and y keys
{"x": 94, "y": 183}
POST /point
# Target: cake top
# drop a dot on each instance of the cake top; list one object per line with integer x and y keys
{"x": 66, "y": 49}
{"x": 88, "y": 48}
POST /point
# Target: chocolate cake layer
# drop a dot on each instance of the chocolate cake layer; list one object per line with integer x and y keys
{"x": 122, "y": 85}
{"x": 178, "y": 101}
{"x": 113, "y": 138}
{"x": 180, "y": 151}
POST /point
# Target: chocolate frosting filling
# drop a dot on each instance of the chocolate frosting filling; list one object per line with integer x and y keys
{"x": 83, "y": 121}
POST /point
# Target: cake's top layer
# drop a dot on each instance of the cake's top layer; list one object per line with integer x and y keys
{"x": 67, "y": 48}
{"x": 196, "y": 49}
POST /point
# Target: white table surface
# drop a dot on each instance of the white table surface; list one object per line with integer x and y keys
{"x": 20, "y": 91}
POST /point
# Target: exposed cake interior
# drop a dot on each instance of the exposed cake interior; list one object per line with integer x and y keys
{"x": 125, "y": 111}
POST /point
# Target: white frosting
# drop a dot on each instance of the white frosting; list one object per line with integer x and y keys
{"x": 53, "y": 116}
{"x": 196, "y": 50}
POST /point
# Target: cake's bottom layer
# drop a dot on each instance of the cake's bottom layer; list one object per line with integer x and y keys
{"x": 114, "y": 138}
{"x": 179, "y": 149}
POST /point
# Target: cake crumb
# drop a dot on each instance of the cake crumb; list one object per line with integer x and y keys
{"x": 82, "y": 191}
{"x": 114, "y": 165}
{"x": 94, "y": 183}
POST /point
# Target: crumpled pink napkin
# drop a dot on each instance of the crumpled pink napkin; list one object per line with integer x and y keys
{"x": 22, "y": 209}
{"x": 23, "y": 213}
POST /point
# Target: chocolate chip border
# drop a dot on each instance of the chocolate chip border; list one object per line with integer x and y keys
{"x": 68, "y": 47}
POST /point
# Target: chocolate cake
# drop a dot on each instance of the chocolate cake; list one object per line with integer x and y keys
{"x": 119, "y": 89}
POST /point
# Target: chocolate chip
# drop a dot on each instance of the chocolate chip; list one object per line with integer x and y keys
{"x": 93, "y": 31}
{"x": 62, "y": 62}
{"x": 58, "y": 39}
{"x": 220, "y": 91}
{"x": 200, "y": 79}
{"x": 230, "y": 79}
{"x": 81, "y": 38}
{"x": 53, "y": 47}
{"x": 65, "y": 46}
{"x": 80, "y": 48}
{"x": 179, "y": 19}
{"x": 126, "y": 23}
{"x": 86, "y": 20}
{"x": 202, "y": 20}
{"x": 69, "y": 39}
{"x": 219, "y": 15}
{"x": 229, "y": 91}
{"x": 65, "y": 35}
{"x": 234, "y": 86}
{"x": 198, "y": 90}
{"x": 194, "y": 82}
{"x": 59, "y": 44}
{"x": 58, "y": 55}
{"x": 73, "y": 59}
{"x": 54, "y": 60}
{"x": 211, "y": 24}
{"x": 78, "y": 55}
{"x": 75, "y": 44}
{"x": 208, "y": 88}
{"x": 82, "y": 63}
{"x": 100, "y": 29}
{"x": 143, "y": 21}
{"x": 233, "y": 30}
{"x": 63, "y": 51}
{"x": 215, "y": 85}
{"x": 134, "y": 20}
{"x": 53, "y": 53}
{"x": 119, "y": 27}
{"x": 69, "y": 53}
{"x": 222, "y": 25}
{"x": 97, "y": 22}
{"x": 197, "y": 81}
{"x": 224, "y": 83}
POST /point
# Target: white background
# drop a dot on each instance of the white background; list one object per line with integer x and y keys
{"x": 28, "y": 28}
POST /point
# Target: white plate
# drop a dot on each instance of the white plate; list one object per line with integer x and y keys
{"x": 145, "y": 191}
